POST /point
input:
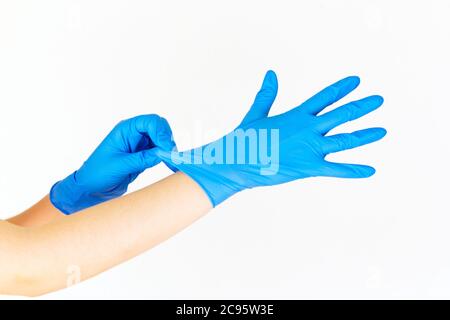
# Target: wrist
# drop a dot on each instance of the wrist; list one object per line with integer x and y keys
{"x": 217, "y": 187}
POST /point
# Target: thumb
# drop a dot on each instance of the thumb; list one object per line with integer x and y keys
{"x": 164, "y": 136}
{"x": 264, "y": 99}
{"x": 141, "y": 160}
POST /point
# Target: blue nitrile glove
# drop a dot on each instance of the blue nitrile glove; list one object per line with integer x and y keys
{"x": 128, "y": 150}
{"x": 280, "y": 148}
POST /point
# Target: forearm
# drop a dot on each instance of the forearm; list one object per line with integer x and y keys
{"x": 105, "y": 235}
{"x": 41, "y": 213}
{"x": 127, "y": 150}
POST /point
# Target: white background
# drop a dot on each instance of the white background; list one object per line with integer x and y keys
{"x": 69, "y": 70}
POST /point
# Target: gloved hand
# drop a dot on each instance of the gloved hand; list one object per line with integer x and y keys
{"x": 265, "y": 151}
{"x": 128, "y": 150}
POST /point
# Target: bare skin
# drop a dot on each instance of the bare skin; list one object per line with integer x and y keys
{"x": 39, "y": 214}
{"x": 35, "y": 261}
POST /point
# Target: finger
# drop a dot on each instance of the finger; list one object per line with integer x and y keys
{"x": 141, "y": 160}
{"x": 157, "y": 129}
{"x": 345, "y": 141}
{"x": 348, "y": 112}
{"x": 345, "y": 170}
{"x": 264, "y": 99}
{"x": 164, "y": 136}
{"x": 329, "y": 95}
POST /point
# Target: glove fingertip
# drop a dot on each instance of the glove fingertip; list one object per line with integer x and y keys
{"x": 368, "y": 171}
{"x": 270, "y": 80}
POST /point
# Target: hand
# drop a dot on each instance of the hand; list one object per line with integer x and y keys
{"x": 127, "y": 151}
{"x": 265, "y": 150}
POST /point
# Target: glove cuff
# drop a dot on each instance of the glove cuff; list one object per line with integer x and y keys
{"x": 68, "y": 197}
{"x": 217, "y": 187}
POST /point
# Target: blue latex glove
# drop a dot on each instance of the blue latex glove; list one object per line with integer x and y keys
{"x": 128, "y": 150}
{"x": 299, "y": 150}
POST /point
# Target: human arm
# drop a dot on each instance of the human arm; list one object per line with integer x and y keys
{"x": 103, "y": 236}
{"x": 34, "y": 261}
{"x": 39, "y": 214}
{"x": 126, "y": 151}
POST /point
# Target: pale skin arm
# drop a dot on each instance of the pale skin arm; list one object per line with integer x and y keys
{"x": 39, "y": 214}
{"x": 34, "y": 261}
